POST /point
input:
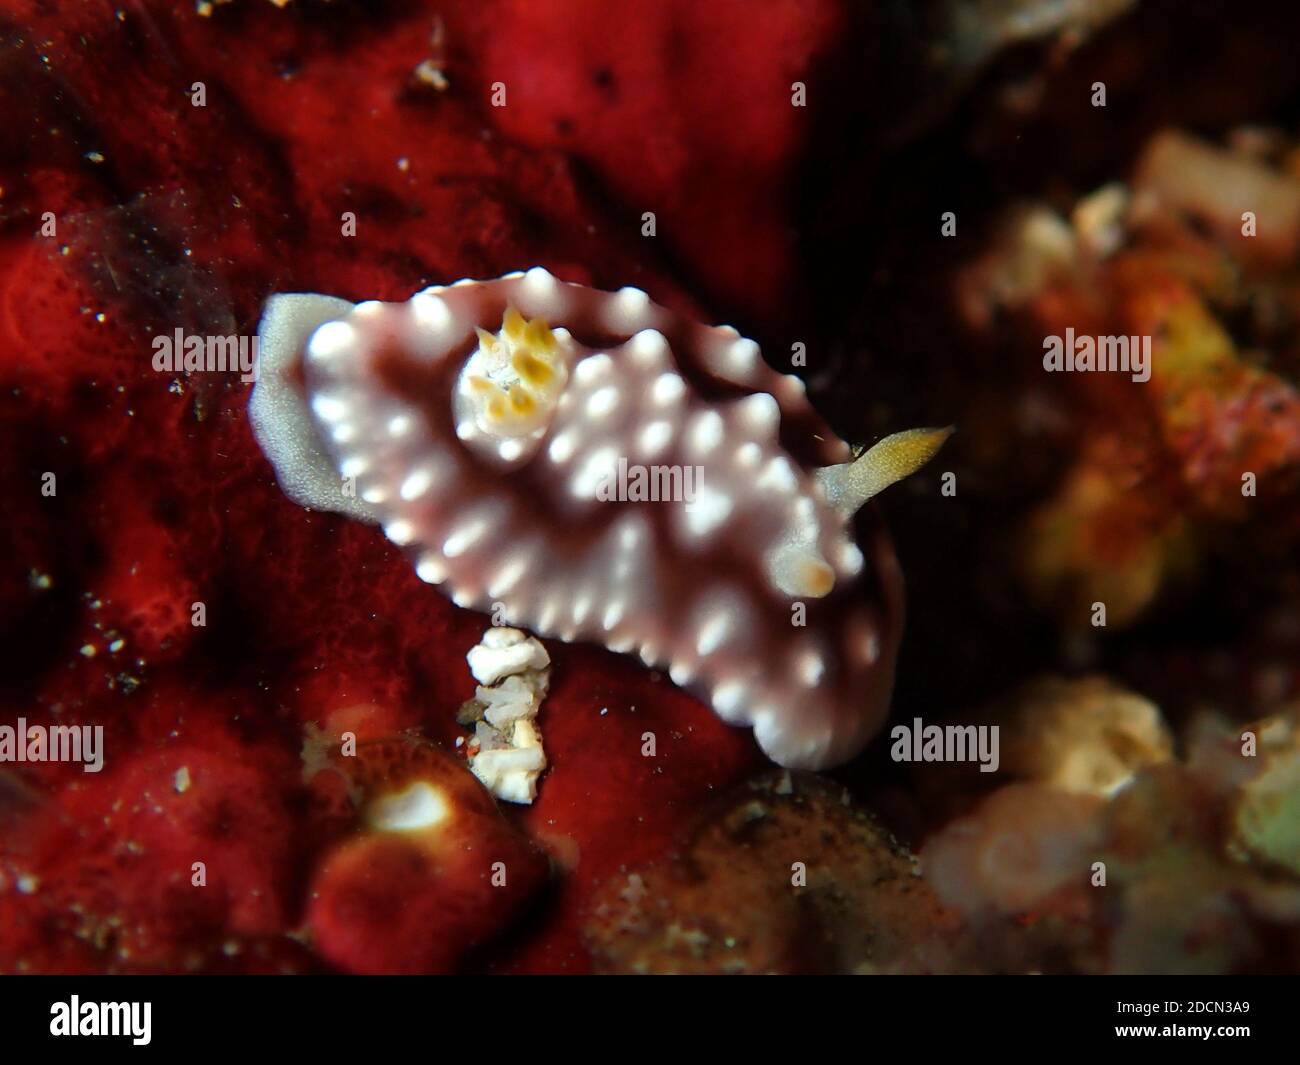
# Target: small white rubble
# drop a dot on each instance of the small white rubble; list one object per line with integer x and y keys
{"x": 504, "y": 652}
{"x": 513, "y": 671}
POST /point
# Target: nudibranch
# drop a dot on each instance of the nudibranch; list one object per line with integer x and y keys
{"x": 496, "y": 448}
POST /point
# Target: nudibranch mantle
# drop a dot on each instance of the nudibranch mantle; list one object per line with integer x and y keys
{"x": 503, "y": 455}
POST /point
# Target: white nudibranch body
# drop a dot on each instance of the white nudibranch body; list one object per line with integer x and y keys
{"x": 628, "y": 477}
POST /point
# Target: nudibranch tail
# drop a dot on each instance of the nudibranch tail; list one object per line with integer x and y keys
{"x": 849, "y": 485}
{"x": 282, "y": 422}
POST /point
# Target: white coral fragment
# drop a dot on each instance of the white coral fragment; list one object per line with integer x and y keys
{"x": 504, "y": 652}
{"x": 506, "y": 753}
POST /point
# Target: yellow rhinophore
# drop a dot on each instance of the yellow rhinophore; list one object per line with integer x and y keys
{"x": 850, "y": 484}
